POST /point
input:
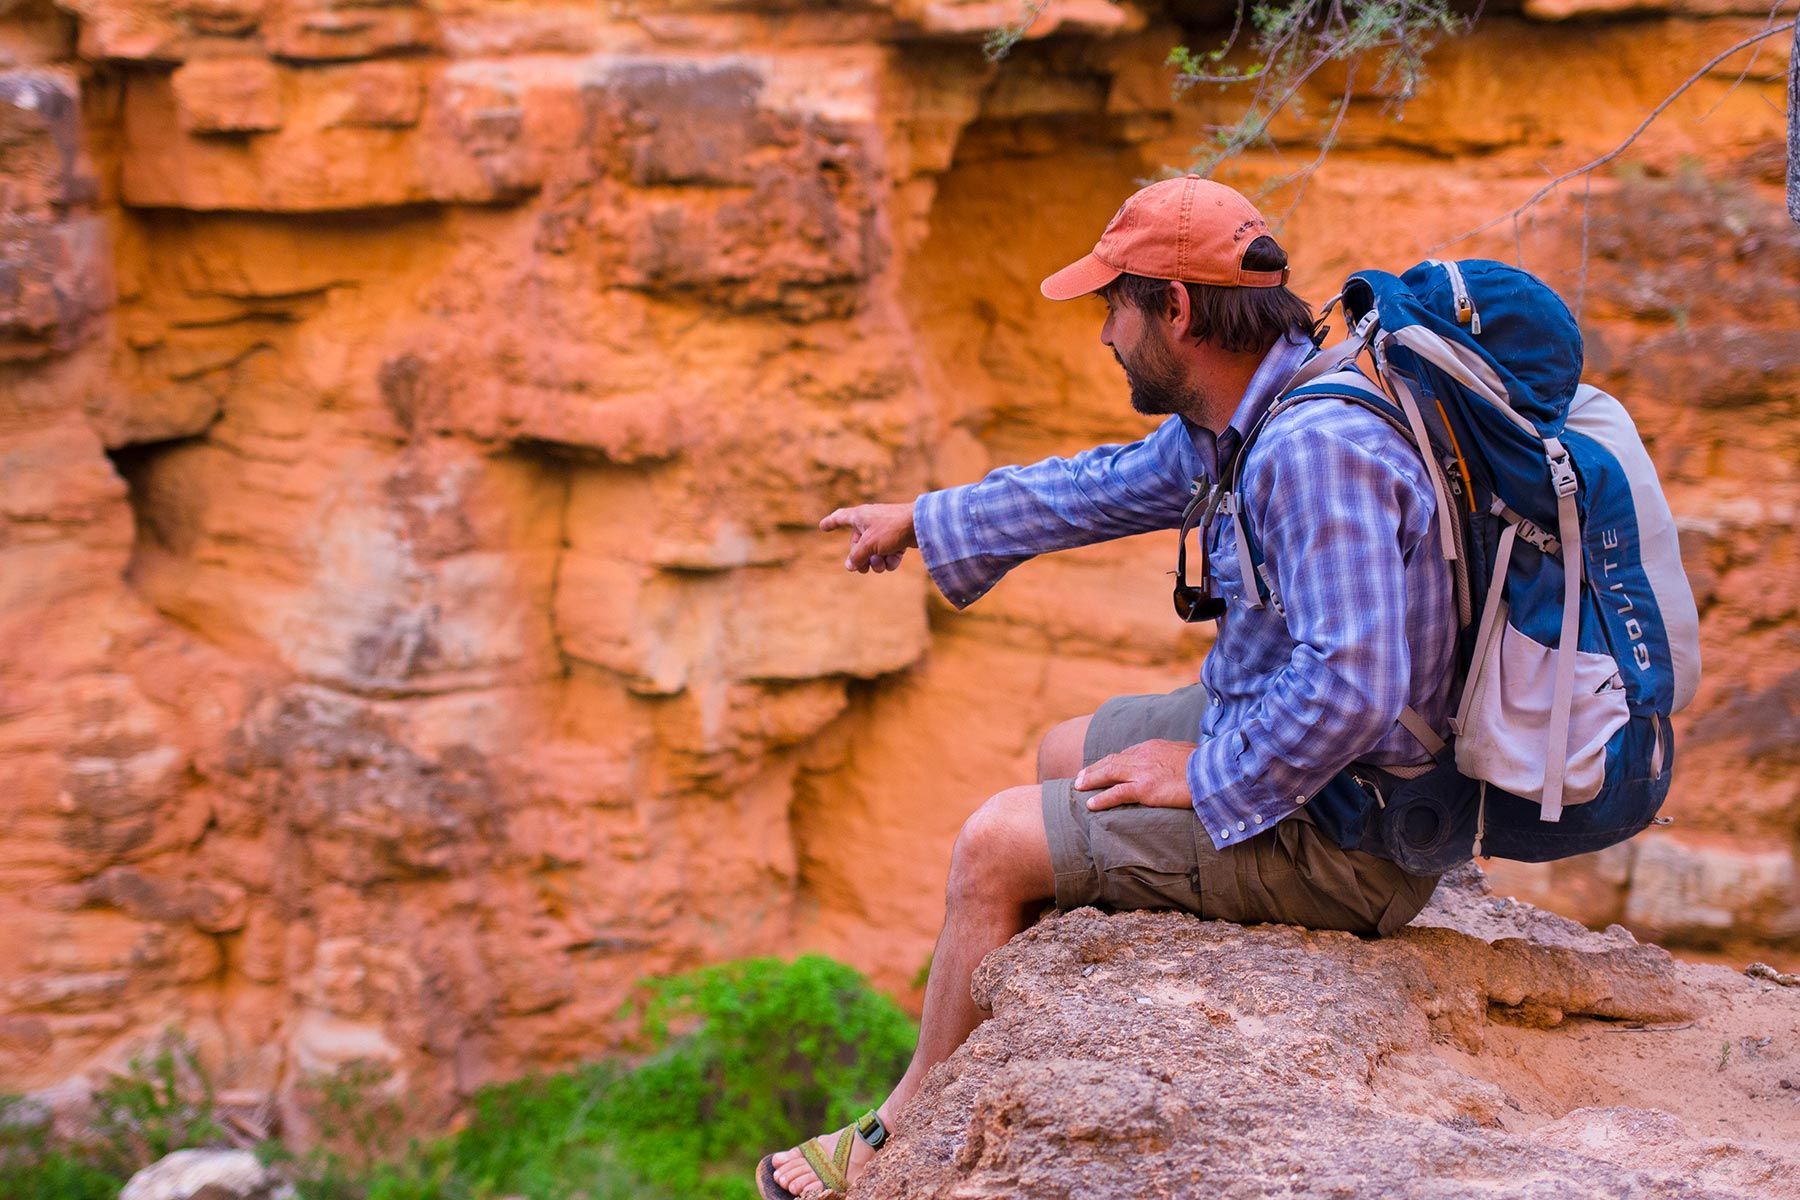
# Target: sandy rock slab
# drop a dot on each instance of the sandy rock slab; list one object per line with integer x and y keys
{"x": 1490, "y": 1049}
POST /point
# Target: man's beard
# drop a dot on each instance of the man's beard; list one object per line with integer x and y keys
{"x": 1157, "y": 385}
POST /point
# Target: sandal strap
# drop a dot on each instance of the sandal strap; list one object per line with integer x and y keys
{"x": 833, "y": 1172}
{"x": 871, "y": 1129}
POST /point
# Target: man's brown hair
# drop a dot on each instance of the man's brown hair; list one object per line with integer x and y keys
{"x": 1238, "y": 319}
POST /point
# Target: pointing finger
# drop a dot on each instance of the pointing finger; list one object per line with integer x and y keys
{"x": 838, "y": 518}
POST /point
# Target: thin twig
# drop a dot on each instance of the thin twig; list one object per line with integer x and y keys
{"x": 1237, "y": 27}
{"x": 1000, "y": 42}
{"x": 1581, "y": 282}
{"x": 1271, "y": 111}
{"x": 1306, "y": 173}
{"x": 1290, "y": 43}
{"x": 1597, "y": 163}
{"x": 1774, "y": 11}
{"x": 1647, "y": 1028}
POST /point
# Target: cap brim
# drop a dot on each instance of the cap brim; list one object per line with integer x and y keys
{"x": 1080, "y": 278}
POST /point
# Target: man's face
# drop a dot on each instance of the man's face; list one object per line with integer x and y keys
{"x": 1140, "y": 343}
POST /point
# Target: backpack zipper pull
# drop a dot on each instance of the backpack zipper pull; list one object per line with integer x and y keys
{"x": 1459, "y": 296}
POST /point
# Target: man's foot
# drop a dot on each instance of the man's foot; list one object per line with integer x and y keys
{"x": 794, "y": 1173}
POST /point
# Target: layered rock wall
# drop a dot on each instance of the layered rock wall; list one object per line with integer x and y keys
{"x": 414, "y": 419}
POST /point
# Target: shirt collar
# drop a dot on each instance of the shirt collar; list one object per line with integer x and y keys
{"x": 1265, "y": 386}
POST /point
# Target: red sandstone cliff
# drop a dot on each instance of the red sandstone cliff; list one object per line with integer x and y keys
{"x": 414, "y": 417}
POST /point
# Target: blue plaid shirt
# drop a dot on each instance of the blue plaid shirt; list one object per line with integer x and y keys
{"x": 1344, "y": 514}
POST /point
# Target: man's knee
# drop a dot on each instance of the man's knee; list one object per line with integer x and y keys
{"x": 1002, "y": 852}
{"x": 1060, "y": 753}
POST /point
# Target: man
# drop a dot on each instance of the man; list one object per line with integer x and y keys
{"x": 1197, "y": 800}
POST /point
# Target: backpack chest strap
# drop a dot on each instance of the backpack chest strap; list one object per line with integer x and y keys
{"x": 1258, "y": 586}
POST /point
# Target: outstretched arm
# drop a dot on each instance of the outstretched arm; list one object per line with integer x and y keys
{"x": 971, "y": 536}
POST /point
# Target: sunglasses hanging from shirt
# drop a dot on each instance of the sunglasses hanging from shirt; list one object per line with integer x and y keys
{"x": 1198, "y": 603}
{"x": 1202, "y": 602}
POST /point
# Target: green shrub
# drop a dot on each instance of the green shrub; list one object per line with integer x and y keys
{"x": 422, "y": 1172}
{"x": 547, "y": 1137}
{"x": 160, "y": 1103}
{"x": 33, "y": 1165}
{"x": 735, "y": 1060}
{"x": 741, "y": 1059}
{"x": 749, "y": 1057}
{"x": 58, "y": 1174}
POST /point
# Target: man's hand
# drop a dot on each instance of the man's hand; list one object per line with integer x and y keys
{"x": 1151, "y": 773}
{"x": 880, "y": 534}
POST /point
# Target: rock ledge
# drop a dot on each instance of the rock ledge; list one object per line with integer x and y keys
{"x": 1489, "y": 1049}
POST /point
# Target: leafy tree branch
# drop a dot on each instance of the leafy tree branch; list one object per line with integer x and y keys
{"x": 1287, "y": 43}
{"x": 1291, "y": 42}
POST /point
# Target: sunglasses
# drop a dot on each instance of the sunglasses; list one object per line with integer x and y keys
{"x": 1198, "y": 603}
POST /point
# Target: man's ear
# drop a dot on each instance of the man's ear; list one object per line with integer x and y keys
{"x": 1177, "y": 308}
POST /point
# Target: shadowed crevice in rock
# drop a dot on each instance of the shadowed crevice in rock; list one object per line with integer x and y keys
{"x": 135, "y": 464}
{"x": 1156, "y": 1054}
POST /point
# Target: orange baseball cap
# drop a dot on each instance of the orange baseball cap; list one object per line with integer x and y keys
{"x": 1190, "y": 229}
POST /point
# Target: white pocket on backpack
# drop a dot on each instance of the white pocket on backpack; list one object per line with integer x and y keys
{"x": 1505, "y": 738}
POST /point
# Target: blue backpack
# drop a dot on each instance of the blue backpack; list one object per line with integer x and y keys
{"x": 1578, "y": 635}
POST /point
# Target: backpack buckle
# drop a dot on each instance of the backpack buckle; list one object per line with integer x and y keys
{"x": 1562, "y": 471}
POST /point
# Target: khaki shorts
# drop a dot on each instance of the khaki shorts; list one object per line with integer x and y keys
{"x": 1136, "y": 857}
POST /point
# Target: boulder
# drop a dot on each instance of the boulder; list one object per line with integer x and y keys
{"x": 1713, "y": 890}
{"x": 207, "y": 1175}
{"x": 1488, "y": 1049}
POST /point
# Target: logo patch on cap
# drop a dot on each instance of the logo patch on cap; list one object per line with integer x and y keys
{"x": 1237, "y": 235}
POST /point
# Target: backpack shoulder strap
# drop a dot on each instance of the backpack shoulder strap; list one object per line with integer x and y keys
{"x": 1348, "y": 384}
{"x": 1351, "y": 386}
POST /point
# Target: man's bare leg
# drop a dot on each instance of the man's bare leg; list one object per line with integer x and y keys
{"x": 1000, "y": 876}
{"x": 1060, "y": 753}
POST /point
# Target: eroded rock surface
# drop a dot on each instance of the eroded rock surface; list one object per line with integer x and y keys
{"x": 1490, "y": 1049}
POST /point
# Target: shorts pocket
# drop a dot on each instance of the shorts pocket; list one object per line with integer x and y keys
{"x": 1300, "y": 878}
{"x": 1145, "y": 857}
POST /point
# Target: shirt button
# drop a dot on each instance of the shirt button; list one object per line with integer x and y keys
{"x": 1240, "y": 826}
{"x": 1224, "y": 835}
{"x": 1258, "y": 817}
{"x": 1299, "y": 799}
